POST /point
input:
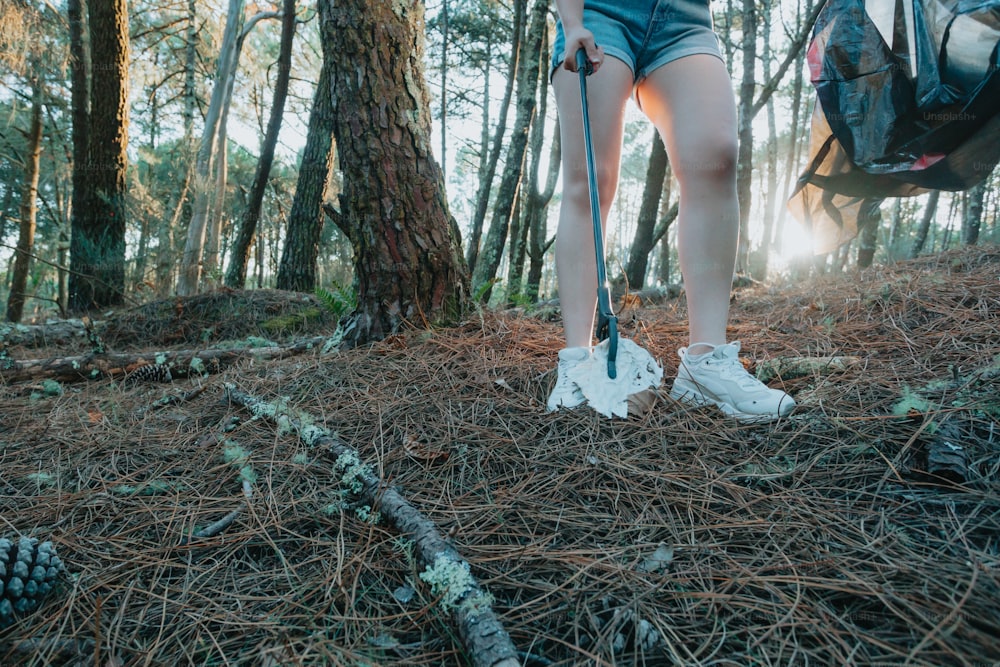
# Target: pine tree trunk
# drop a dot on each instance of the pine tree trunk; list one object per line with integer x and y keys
{"x": 869, "y": 218}
{"x": 925, "y": 223}
{"x": 527, "y": 80}
{"x": 488, "y": 168}
{"x": 744, "y": 158}
{"x": 532, "y": 202}
{"x": 537, "y": 245}
{"x": 297, "y": 270}
{"x": 189, "y": 276}
{"x": 643, "y": 242}
{"x": 895, "y": 225}
{"x": 974, "y": 215}
{"x": 97, "y": 247}
{"x": 793, "y": 144}
{"x": 237, "y": 275}
{"x": 29, "y": 209}
{"x": 409, "y": 267}
{"x": 762, "y": 256}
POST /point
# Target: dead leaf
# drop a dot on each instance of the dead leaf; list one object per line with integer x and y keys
{"x": 421, "y": 451}
{"x": 659, "y": 560}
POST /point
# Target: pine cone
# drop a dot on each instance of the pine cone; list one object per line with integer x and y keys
{"x": 28, "y": 572}
{"x": 150, "y": 373}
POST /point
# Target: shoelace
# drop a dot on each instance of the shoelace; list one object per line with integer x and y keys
{"x": 732, "y": 368}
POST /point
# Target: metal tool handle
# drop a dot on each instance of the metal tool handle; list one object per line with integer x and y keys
{"x": 607, "y": 323}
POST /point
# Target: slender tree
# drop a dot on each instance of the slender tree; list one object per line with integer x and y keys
{"x": 744, "y": 159}
{"x": 189, "y": 277}
{"x": 237, "y": 274}
{"x": 869, "y": 218}
{"x": 973, "y": 219}
{"x": 97, "y": 247}
{"x": 532, "y": 201}
{"x": 297, "y": 270}
{"x": 496, "y": 237}
{"x": 643, "y": 241}
{"x": 29, "y": 209}
{"x": 930, "y": 210}
{"x": 409, "y": 267}
{"x": 488, "y": 167}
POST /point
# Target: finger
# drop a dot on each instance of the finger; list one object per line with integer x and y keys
{"x": 596, "y": 57}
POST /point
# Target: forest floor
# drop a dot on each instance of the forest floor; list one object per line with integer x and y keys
{"x": 678, "y": 537}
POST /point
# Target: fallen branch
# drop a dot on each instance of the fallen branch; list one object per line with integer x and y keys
{"x": 54, "y": 332}
{"x": 485, "y": 639}
{"x": 118, "y": 365}
{"x": 788, "y": 368}
{"x": 168, "y": 400}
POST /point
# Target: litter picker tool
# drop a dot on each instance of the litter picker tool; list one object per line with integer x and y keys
{"x": 607, "y": 322}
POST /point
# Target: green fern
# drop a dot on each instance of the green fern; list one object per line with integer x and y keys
{"x": 340, "y": 301}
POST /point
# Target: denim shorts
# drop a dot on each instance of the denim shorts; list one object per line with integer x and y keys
{"x": 645, "y": 34}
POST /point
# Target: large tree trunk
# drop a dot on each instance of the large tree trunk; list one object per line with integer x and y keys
{"x": 527, "y": 80}
{"x": 297, "y": 270}
{"x": 237, "y": 274}
{"x": 189, "y": 277}
{"x": 29, "y": 209}
{"x": 643, "y": 242}
{"x": 488, "y": 166}
{"x": 409, "y": 267}
{"x": 97, "y": 248}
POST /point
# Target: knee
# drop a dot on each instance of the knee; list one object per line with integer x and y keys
{"x": 710, "y": 161}
{"x": 576, "y": 183}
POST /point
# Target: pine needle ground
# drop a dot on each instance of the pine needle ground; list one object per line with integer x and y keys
{"x": 818, "y": 540}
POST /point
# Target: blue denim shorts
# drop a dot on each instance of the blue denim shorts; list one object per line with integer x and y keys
{"x": 645, "y": 34}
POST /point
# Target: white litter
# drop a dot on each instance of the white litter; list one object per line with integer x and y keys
{"x": 637, "y": 370}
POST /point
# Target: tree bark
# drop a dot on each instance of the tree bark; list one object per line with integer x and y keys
{"x": 297, "y": 270}
{"x": 237, "y": 275}
{"x": 189, "y": 277}
{"x": 97, "y": 247}
{"x": 527, "y": 81}
{"x": 409, "y": 267}
{"x": 489, "y": 166}
{"x": 29, "y": 209}
{"x": 643, "y": 242}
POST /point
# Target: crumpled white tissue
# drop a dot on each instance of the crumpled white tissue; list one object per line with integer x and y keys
{"x": 637, "y": 371}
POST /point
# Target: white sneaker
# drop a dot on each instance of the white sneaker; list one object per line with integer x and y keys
{"x": 718, "y": 378}
{"x": 567, "y": 393}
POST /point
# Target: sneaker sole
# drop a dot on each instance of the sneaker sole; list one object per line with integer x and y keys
{"x": 694, "y": 397}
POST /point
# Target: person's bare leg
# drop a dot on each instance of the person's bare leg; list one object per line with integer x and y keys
{"x": 576, "y": 269}
{"x": 692, "y": 105}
